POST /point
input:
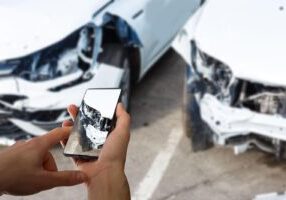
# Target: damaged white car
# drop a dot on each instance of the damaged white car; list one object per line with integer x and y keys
{"x": 235, "y": 90}
{"x": 52, "y": 51}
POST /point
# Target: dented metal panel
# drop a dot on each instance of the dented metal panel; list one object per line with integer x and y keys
{"x": 156, "y": 22}
{"x": 238, "y": 72}
{"x": 32, "y": 24}
{"x": 182, "y": 42}
{"x": 41, "y": 67}
{"x": 245, "y": 38}
{"x": 230, "y": 122}
{"x": 38, "y": 98}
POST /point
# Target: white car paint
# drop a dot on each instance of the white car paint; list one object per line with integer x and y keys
{"x": 157, "y": 23}
{"x": 181, "y": 43}
{"x": 29, "y": 26}
{"x": 228, "y": 122}
{"x": 248, "y": 36}
{"x": 37, "y": 20}
{"x": 27, "y": 127}
{"x": 41, "y": 98}
{"x": 271, "y": 196}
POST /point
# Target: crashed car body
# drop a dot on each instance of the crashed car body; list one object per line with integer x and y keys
{"x": 52, "y": 51}
{"x": 235, "y": 91}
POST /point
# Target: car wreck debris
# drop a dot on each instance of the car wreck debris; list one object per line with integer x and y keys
{"x": 240, "y": 112}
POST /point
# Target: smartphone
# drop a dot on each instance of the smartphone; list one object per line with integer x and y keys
{"x": 93, "y": 123}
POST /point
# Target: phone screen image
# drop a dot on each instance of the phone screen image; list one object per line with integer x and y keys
{"x": 93, "y": 123}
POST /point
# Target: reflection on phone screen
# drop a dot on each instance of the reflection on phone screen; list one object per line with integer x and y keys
{"x": 93, "y": 122}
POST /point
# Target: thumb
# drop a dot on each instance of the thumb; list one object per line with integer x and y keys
{"x": 63, "y": 178}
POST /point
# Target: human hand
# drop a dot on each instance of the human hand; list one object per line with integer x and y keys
{"x": 28, "y": 167}
{"x": 107, "y": 179}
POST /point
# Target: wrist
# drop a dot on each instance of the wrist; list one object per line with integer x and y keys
{"x": 110, "y": 183}
{"x": 107, "y": 175}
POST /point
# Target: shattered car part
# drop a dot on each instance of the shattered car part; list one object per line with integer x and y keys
{"x": 57, "y": 55}
{"x": 239, "y": 85}
{"x": 41, "y": 113}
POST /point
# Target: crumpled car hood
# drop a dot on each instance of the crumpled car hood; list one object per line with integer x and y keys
{"x": 247, "y": 35}
{"x": 30, "y": 25}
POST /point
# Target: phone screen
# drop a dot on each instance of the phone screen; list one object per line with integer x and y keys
{"x": 93, "y": 123}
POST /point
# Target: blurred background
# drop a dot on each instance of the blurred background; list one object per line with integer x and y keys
{"x": 160, "y": 163}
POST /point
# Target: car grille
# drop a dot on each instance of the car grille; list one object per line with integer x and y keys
{"x": 7, "y": 128}
{"x": 11, "y": 99}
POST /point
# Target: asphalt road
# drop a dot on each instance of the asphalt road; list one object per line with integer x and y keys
{"x": 161, "y": 165}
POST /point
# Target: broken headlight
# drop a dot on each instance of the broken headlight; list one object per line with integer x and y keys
{"x": 210, "y": 69}
{"x": 66, "y": 57}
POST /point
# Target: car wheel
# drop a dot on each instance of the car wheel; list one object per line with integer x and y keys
{"x": 194, "y": 127}
{"x": 115, "y": 55}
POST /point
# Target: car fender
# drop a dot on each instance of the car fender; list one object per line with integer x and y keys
{"x": 182, "y": 42}
{"x": 126, "y": 10}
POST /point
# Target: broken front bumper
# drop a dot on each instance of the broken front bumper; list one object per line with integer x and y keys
{"x": 228, "y": 122}
{"x": 33, "y": 108}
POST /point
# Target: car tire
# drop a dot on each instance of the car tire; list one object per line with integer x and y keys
{"x": 116, "y": 55}
{"x": 195, "y": 128}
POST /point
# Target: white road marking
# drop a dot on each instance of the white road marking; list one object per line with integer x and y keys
{"x": 155, "y": 173}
